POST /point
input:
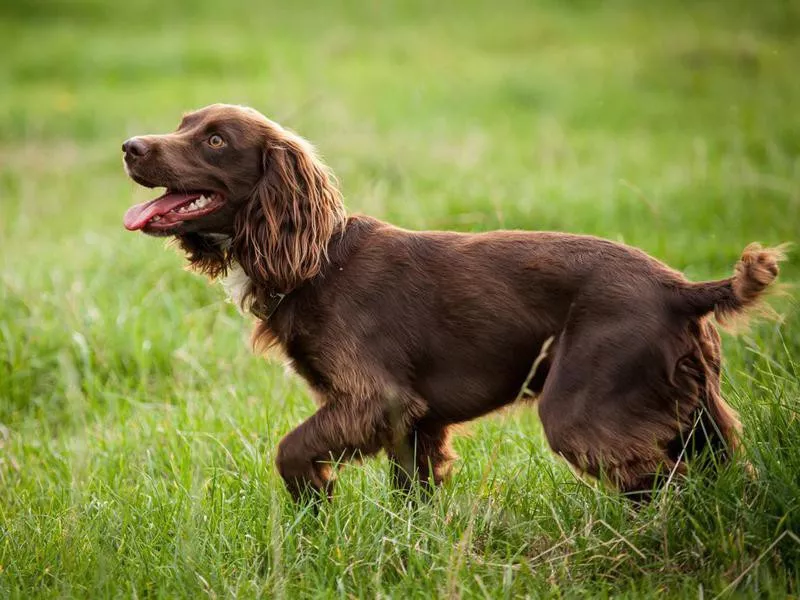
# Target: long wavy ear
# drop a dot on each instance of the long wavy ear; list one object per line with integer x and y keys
{"x": 282, "y": 232}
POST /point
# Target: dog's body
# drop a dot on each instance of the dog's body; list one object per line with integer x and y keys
{"x": 402, "y": 334}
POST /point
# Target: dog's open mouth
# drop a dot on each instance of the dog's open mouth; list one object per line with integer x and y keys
{"x": 171, "y": 209}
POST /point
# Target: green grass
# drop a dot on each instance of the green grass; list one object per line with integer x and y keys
{"x": 137, "y": 431}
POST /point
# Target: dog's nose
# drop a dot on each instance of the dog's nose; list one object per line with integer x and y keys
{"x": 135, "y": 147}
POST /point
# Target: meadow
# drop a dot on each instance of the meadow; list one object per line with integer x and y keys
{"x": 137, "y": 429}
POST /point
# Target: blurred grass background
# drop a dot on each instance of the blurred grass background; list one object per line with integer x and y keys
{"x": 136, "y": 429}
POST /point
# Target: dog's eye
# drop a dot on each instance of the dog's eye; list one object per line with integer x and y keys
{"x": 216, "y": 141}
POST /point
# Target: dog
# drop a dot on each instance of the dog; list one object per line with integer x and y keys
{"x": 402, "y": 334}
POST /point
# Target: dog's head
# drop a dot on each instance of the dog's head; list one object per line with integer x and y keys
{"x": 232, "y": 174}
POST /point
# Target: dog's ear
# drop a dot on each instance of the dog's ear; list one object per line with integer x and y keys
{"x": 282, "y": 232}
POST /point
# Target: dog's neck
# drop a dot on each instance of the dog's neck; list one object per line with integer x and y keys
{"x": 238, "y": 285}
{"x": 240, "y": 288}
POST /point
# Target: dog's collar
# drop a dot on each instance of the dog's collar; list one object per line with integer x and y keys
{"x": 259, "y": 310}
{"x": 265, "y": 310}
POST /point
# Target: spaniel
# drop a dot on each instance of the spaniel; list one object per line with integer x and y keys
{"x": 402, "y": 334}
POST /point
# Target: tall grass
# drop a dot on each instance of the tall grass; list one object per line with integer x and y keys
{"x": 137, "y": 431}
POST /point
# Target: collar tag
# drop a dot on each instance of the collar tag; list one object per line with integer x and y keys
{"x": 266, "y": 311}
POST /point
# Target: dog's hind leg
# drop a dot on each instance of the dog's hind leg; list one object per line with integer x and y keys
{"x": 424, "y": 455}
{"x": 715, "y": 425}
{"x": 613, "y": 400}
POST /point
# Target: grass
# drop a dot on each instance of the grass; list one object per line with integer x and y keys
{"x": 137, "y": 431}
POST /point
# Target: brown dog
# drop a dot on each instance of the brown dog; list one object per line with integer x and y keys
{"x": 402, "y": 334}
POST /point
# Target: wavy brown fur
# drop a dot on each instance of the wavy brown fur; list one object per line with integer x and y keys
{"x": 282, "y": 233}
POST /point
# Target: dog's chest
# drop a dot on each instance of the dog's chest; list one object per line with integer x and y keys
{"x": 236, "y": 283}
{"x": 237, "y": 286}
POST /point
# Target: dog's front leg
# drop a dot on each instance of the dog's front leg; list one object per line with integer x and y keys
{"x": 339, "y": 431}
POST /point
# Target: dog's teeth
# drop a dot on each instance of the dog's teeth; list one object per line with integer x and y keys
{"x": 156, "y": 218}
{"x": 201, "y": 202}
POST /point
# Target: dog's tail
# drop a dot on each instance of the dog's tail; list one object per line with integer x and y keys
{"x": 755, "y": 271}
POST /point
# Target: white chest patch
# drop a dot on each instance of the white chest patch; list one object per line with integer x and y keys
{"x": 237, "y": 286}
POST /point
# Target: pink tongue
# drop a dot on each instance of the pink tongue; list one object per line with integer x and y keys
{"x": 138, "y": 216}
